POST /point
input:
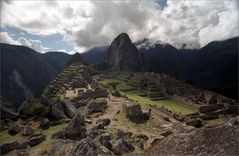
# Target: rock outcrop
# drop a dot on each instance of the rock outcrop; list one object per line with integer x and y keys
{"x": 133, "y": 111}
{"x": 75, "y": 129}
{"x": 220, "y": 140}
{"x": 123, "y": 55}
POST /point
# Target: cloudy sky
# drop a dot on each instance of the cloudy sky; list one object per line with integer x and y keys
{"x": 71, "y": 26}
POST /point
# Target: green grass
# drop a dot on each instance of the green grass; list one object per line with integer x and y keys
{"x": 47, "y": 143}
{"x": 135, "y": 95}
{"x": 216, "y": 122}
{"x": 6, "y": 137}
{"x": 146, "y": 127}
{"x": 173, "y": 106}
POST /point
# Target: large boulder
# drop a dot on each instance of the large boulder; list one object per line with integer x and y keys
{"x": 75, "y": 129}
{"x": 27, "y": 131}
{"x": 44, "y": 123}
{"x": 70, "y": 109}
{"x": 102, "y": 93}
{"x": 202, "y": 98}
{"x": 96, "y": 105}
{"x": 15, "y": 130}
{"x": 36, "y": 140}
{"x": 212, "y": 100}
{"x": 104, "y": 121}
{"x": 121, "y": 146}
{"x": 133, "y": 110}
{"x": 104, "y": 139}
{"x": 123, "y": 134}
{"x": 59, "y": 134}
{"x": 10, "y": 146}
{"x": 57, "y": 112}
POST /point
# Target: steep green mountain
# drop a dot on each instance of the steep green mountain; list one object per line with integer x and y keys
{"x": 123, "y": 55}
{"x": 25, "y": 72}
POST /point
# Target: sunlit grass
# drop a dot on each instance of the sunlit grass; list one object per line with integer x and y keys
{"x": 135, "y": 95}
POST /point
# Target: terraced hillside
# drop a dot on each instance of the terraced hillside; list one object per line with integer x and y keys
{"x": 151, "y": 94}
{"x": 183, "y": 101}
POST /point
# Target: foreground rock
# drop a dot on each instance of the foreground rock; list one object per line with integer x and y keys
{"x": 75, "y": 129}
{"x": 27, "y": 131}
{"x": 84, "y": 147}
{"x": 36, "y": 140}
{"x": 221, "y": 140}
{"x": 133, "y": 111}
{"x": 121, "y": 146}
{"x": 15, "y": 130}
{"x": 10, "y": 146}
{"x": 96, "y": 105}
{"x": 44, "y": 123}
{"x": 57, "y": 112}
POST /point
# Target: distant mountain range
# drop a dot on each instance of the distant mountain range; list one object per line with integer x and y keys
{"x": 25, "y": 72}
{"x": 213, "y": 67}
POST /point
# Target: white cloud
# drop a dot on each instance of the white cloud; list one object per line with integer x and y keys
{"x": 86, "y": 24}
{"x": 34, "y": 44}
{"x": 5, "y": 38}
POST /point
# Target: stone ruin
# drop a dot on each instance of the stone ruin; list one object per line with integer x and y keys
{"x": 134, "y": 112}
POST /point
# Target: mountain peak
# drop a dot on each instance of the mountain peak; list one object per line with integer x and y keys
{"x": 76, "y": 59}
{"x": 123, "y": 55}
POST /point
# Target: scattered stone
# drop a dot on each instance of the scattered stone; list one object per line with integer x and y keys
{"x": 202, "y": 98}
{"x": 234, "y": 121}
{"x": 105, "y": 140}
{"x": 142, "y": 136}
{"x": 104, "y": 122}
{"x": 166, "y": 133}
{"x": 36, "y": 140}
{"x": 88, "y": 121}
{"x": 79, "y": 104}
{"x": 97, "y": 105}
{"x": 121, "y": 146}
{"x": 44, "y": 123}
{"x": 22, "y": 144}
{"x": 75, "y": 129}
{"x": 85, "y": 147}
{"x": 59, "y": 134}
{"x": 212, "y": 100}
{"x": 154, "y": 141}
{"x": 166, "y": 118}
{"x": 27, "y": 131}
{"x": 15, "y": 130}
{"x": 123, "y": 134}
{"x": 205, "y": 109}
{"x": 194, "y": 122}
{"x": 22, "y": 152}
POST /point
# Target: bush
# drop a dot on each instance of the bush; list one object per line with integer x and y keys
{"x": 38, "y": 109}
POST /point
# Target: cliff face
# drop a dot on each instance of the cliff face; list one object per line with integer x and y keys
{"x": 123, "y": 55}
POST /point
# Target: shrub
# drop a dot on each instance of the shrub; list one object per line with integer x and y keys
{"x": 38, "y": 109}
